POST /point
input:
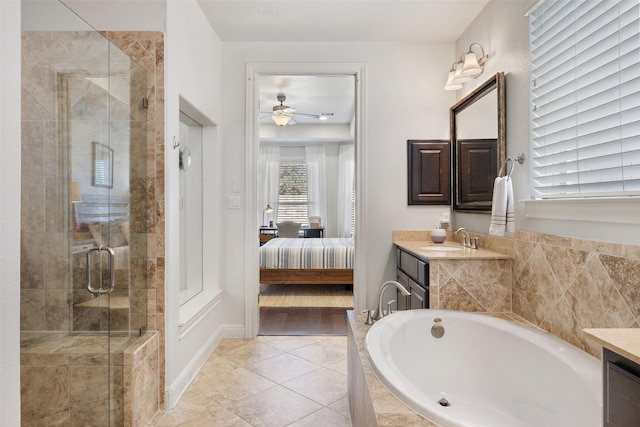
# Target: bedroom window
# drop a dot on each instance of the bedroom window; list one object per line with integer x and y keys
{"x": 292, "y": 197}
{"x": 585, "y": 99}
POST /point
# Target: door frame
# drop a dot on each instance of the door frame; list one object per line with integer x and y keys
{"x": 252, "y": 149}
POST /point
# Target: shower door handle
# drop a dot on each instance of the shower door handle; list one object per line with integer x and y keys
{"x": 110, "y": 266}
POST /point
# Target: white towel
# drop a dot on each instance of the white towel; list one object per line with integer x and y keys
{"x": 502, "y": 207}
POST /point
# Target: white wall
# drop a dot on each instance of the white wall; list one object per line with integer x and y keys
{"x": 10, "y": 213}
{"x": 502, "y": 29}
{"x": 404, "y": 100}
{"x": 192, "y": 61}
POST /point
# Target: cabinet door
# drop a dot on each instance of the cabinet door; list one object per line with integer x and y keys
{"x": 621, "y": 391}
{"x": 477, "y": 170}
{"x": 429, "y": 167}
{"x": 402, "y": 301}
{"x": 419, "y": 296}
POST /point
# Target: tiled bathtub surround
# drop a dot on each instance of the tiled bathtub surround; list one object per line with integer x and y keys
{"x": 470, "y": 285}
{"x": 560, "y": 284}
{"x": 565, "y": 284}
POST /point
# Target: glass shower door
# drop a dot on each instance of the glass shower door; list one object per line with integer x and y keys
{"x": 83, "y": 255}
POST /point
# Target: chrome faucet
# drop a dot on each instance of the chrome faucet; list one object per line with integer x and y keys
{"x": 466, "y": 241}
{"x": 379, "y": 313}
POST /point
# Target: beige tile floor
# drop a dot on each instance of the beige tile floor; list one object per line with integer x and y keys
{"x": 269, "y": 381}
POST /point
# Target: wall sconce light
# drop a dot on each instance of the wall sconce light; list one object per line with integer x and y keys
{"x": 468, "y": 67}
{"x": 266, "y": 211}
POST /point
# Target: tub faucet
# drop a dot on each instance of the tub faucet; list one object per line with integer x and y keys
{"x": 466, "y": 241}
{"x": 379, "y": 312}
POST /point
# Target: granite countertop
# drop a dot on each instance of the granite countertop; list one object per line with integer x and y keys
{"x": 624, "y": 341}
{"x": 418, "y": 243}
{"x": 429, "y": 250}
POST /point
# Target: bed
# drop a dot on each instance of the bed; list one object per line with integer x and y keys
{"x": 307, "y": 261}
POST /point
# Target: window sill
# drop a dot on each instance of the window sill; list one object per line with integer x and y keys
{"x": 195, "y": 309}
{"x": 617, "y": 210}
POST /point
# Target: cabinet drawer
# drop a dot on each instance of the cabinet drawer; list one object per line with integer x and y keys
{"x": 423, "y": 273}
{"x": 409, "y": 264}
{"x": 621, "y": 391}
{"x": 419, "y": 296}
{"x": 415, "y": 268}
{"x": 402, "y": 301}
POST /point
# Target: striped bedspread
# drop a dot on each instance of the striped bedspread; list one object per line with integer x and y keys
{"x": 307, "y": 253}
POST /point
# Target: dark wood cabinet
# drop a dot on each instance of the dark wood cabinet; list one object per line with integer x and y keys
{"x": 413, "y": 274}
{"x": 429, "y": 167}
{"x": 477, "y": 170}
{"x": 621, "y": 381}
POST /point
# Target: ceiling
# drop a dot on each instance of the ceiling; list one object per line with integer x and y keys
{"x": 340, "y": 20}
{"x": 330, "y": 21}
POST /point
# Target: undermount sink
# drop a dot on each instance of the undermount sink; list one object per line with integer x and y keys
{"x": 441, "y": 248}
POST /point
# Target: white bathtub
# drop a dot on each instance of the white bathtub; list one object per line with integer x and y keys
{"x": 492, "y": 372}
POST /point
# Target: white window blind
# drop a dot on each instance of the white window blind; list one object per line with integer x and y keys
{"x": 292, "y": 200}
{"x": 585, "y": 98}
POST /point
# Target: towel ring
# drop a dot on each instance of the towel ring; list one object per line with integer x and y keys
{"x": 519, "y": 158}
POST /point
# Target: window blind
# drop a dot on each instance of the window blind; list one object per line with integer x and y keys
{"x": 585, "y": 98}
{"x": 292, "y": 199}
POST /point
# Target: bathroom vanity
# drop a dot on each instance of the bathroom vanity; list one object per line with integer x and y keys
{"x": 450, "y": 276}
{"x": 620, "y": 374}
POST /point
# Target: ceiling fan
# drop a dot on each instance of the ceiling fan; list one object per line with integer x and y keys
{"x": 282, "y": 115}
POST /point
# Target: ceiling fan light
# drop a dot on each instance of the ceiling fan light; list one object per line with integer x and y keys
{"x": 281, "y": 120}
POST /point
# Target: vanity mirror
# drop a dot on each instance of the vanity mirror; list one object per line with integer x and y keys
{"x": 478, "y": 141}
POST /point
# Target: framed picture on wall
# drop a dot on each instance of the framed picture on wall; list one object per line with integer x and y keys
{"x": 102, "y": 165}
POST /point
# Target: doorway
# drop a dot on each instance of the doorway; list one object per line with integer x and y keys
{"x": 275, "y": 85}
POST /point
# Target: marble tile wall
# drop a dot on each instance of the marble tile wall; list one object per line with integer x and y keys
{"x": 560, "y": 284}
{"x": 140, "y": 366}
{"x": 564, "y": 285}
{"x": 46, "y": 269}
{"x": 147, "y": 49}
{"x": 482, "y": 285}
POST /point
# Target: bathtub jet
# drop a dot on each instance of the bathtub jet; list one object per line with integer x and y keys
{"x": 493, "y": 372}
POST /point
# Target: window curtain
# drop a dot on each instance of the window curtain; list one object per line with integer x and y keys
{"x": 316, "y": 182}
{"x": 269, "y": 184}
{"x": 346, "y": 174}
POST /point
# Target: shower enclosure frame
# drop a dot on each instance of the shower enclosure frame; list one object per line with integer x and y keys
{"x": 55, "y": 341}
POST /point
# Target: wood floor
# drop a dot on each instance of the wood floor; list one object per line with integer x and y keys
{"x": 304, "y": 309}
{"x": 302, "y": 321}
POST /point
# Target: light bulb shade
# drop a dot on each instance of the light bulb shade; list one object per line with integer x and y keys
{"x": 450, "y": 85}
{"x": 268, "y": 209}
{"x": 280, "y": 120}
{"x": 458, "y": 77}
{"x": 471, "y": 66}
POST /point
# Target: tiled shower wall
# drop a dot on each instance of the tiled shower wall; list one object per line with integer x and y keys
{"x": 565, "y": 284}
{"x": 147, "y": 48}
{"x": 45, "y": 220}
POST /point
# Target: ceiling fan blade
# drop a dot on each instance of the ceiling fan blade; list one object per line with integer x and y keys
{"x": 309, "y": 115}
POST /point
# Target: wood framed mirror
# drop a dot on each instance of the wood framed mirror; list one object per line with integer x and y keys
{"x": 478, "y": 142}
